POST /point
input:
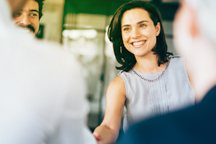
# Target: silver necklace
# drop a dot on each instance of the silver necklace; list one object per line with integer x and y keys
{"x": 160, "y": 76}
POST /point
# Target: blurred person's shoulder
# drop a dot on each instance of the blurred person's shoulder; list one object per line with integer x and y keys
{"x": 45, "y": 59}
{"x": 45, "y": 52}
{"x": 55, "y": 52}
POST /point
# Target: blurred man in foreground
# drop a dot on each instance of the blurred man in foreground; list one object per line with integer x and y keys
{"x": 194, "y": 31}
{"x": 42, "y": 93}
{"x": 29, "y": 16}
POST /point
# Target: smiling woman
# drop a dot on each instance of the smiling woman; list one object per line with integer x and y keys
{"x": 139, "y": 33}
{"x": 152, "y": 81}
{"x": 149, "y": 16}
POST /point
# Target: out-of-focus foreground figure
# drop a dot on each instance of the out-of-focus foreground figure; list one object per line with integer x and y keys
{"x": 42, "y": 93}
{"x": 29, "y": 16}
{"x": 194, "y": 31}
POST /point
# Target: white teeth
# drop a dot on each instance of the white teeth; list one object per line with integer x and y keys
{"x": 137, "y": 43}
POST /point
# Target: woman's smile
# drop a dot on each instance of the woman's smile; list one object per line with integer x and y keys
{"x": 138, "y": 44}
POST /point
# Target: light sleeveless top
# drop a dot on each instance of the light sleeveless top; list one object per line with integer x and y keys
{"x": 170, "y": 92}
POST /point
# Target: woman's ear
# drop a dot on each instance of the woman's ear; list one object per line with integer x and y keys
{"x": 158, "y": 28}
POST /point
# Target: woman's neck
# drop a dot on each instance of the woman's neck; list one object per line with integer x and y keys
{"x": 148, "y": 64}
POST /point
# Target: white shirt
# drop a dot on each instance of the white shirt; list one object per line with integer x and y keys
{"x": 42, "y": 92}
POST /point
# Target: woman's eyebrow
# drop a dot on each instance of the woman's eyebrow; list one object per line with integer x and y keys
{"x": 126, "y": 25}
{"x": 142, "y": 21}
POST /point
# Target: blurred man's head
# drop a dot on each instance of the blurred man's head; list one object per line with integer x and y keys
{"x": 194, "y": 37}
{"x": 16, "y": 5}
{"x": 28, "y": 17}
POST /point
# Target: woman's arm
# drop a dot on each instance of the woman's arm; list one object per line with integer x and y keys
{"x": 108, "y": 131}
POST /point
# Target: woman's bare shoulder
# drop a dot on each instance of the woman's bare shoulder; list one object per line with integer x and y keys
{"x": 117, "y": 85}
{"x": 118, "y": 81}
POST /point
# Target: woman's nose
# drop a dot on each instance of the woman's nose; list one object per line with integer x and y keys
{"x": 135, "y": 33}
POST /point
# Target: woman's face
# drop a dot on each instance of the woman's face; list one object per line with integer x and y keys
{"x": 139, "y": 32}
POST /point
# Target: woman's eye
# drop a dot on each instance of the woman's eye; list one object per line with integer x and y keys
{"x": 126, "y": 29}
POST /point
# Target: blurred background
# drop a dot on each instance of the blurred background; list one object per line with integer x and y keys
{"x": 80, "y": 26}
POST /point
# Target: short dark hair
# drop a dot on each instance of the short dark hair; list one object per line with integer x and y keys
{"x": 123, "y": 56}
{"x": 40, "y": 3}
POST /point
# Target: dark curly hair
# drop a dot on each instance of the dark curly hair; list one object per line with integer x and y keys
{"x": 40, "y": 3}
{"x": 123, "y": 56}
